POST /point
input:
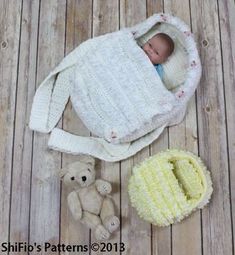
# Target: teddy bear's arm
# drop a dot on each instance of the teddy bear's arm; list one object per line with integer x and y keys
{"x": 74, "y": 205}
{"x": 103, "y": 187}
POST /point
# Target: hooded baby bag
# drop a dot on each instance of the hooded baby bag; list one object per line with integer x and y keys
{"x": 116, "y": 91}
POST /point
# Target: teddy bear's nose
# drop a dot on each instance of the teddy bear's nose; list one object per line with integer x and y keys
{"x": 83, "y": 178}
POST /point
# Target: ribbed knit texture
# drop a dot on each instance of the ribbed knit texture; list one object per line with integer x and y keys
{"x": 98, "y": 147}
{"x": 117, "y": 89}
{"x": 167, "y": 187}
{"x": 116, "y": 92}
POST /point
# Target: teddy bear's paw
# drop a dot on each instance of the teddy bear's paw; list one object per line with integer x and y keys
{"x": 111, "y": 223}
{"x": 101, "y": 233}
{"x": 104, "y": 187}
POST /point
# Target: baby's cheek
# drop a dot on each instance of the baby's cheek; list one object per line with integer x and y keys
{"x": 154, "y": 58}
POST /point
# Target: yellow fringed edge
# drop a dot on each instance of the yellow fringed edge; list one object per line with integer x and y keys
{"x": 168, "y": 186}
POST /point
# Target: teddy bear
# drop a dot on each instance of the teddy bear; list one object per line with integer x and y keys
{"x": 89, "y": 201}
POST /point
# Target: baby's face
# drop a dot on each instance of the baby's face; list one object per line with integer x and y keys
{"x": 156, "y": 49}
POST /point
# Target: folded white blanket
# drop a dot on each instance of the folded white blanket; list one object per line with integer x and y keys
{"x": 116, "y": 92}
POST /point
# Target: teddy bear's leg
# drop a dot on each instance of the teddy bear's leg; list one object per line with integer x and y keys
{"x": 107, "y": 215}
{"x": 93, "y": 222}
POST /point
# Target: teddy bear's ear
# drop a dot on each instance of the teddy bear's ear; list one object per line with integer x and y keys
{"x": 62, "y": 172}
{"x": 88, "y": 160}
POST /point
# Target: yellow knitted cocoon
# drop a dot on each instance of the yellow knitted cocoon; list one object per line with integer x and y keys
{"x": 167, "y": 187}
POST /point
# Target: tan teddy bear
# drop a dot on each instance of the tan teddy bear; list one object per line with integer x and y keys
{"x": 89, "y": 202}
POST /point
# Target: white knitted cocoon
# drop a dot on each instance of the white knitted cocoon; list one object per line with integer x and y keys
{"x": 117, "y": 93}
{"x": 117, "y": 89}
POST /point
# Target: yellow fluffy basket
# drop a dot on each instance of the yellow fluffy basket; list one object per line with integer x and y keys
{"x": 168, "y": 186}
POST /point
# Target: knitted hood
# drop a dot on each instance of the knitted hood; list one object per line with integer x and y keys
{"x": 117, "y": 93}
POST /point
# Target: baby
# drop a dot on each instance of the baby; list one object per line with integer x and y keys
{"x": 158, "y": 49}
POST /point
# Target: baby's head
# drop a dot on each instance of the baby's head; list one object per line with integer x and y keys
{"x": 159, "y": 48}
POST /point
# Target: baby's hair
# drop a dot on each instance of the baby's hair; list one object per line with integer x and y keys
{"x": 168, "y": 40}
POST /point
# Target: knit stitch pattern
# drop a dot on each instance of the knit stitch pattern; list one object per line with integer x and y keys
{"x": 168, "y": 186}
{"x": 117, "y": 89}
{"x": 116, "y": 92}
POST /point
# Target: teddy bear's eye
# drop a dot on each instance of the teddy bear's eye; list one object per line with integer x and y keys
{"x": 72, "y": 178}
{"x": 89, "y": 170}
